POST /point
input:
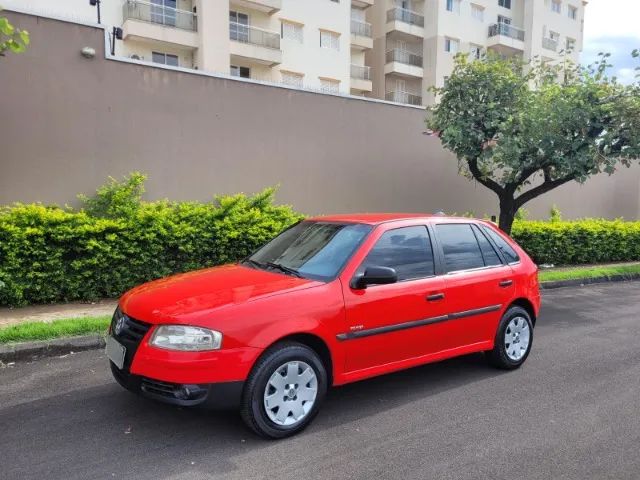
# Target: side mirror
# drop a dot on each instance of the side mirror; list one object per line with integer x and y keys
{"x": 375, "y": 275}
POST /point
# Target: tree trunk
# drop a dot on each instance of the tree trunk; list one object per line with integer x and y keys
{"x": 507, "y": 214}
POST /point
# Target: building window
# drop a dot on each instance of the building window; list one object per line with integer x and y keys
{"x": 328, "y": 85}
{"x": 453, "y": 6}
{"x": 477, "y": 12}
{"x": 164, "y": 12}
{"x": 238, "y": 26}
{"x": 291, "y": 31}
{"x": 329, "y": 40}
{"x": 451, "y": 45}
{"x": 571, "y": 44}
{"x": 556, "y": 6}
{"x": 475, "y": 52}
{"x": 165, "y": 59}
{"x": 445, "y": 81}
{"x": 504, "y": 20}
{"x": 292, "y": 79}
{"x": 242, "y": 72}
{"x": 572, "y": 12}
{"x": 504, "y": 3}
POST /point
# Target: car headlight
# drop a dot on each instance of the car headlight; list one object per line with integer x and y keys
{"x": 191, "y": 339}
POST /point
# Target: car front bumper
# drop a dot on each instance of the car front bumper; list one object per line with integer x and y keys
{"x": 217, "y": 396}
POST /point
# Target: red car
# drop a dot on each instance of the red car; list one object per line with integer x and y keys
{"x": 330, "y": 301}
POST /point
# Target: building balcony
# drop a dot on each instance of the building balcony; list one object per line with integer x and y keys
{"x": 403, "y": 97}
{"x": 362, "y": 3}
{"x": 505, "y": 38}
{"x": 404, "y": 63}
{"x": 145, "y": 22}
{"x": 361, "y": 78}
{"x": 267, "y": 6}
{"x": 405, "y": 21}
{"x": 255, "y": 44}
{"x": 550, "y": 44}
{"x": 361, "y": 36}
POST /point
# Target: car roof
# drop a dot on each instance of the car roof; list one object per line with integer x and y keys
{"x": 377, "y": 218}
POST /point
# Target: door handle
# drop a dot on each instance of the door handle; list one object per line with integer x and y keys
{"x": 506, "y": 283}
{"x": 435, "y": 296}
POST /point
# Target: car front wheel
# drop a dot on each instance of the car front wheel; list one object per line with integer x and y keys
{"x": 513, "y": 340}
{"x": 284, "y": 391}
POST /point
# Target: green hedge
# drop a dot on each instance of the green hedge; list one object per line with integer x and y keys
{"x": 49, "y": 254}
{"x": 578, "y": 242}
{"x": 116, "y": 241}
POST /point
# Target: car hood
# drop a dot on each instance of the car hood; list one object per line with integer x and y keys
{"x": 177, "y": 298}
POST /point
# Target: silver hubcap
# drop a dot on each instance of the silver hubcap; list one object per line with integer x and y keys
{"x": 516, "y": 338}
{"x": 290, "y": 393}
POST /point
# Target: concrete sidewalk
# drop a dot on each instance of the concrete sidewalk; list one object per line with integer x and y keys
{"x": 48, "y": 313}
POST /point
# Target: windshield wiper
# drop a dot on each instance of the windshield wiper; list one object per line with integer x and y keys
{"x": 253, "y": 263}
{"x": 282, "y": 268}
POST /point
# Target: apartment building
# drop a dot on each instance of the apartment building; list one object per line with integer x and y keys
{"x": 388, "y": 49}
{"x": 316, "y": 44}
{"x": 415, "y": 41}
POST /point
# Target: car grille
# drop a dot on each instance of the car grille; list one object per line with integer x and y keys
{"x": 133, "y": 331}
{"x": 130, "y": 335}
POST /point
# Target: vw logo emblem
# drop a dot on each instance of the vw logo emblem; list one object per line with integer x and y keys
{"x": 119, "y": 325}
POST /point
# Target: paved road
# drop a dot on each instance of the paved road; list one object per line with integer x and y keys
{"x": 572, "y": 412}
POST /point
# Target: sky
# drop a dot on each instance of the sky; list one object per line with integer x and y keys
{"x": 613, "y": 26}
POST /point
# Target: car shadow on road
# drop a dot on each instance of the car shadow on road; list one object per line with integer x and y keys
{"x": 113, "y": 430}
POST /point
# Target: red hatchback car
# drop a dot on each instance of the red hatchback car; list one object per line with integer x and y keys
{"x": 330, "y": 301}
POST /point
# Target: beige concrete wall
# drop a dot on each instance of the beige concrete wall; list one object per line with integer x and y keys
{"x": 69, "y": 122}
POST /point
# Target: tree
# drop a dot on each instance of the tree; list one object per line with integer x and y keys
{"x": 523, "y": 130}
{"x": 11, "y": 38}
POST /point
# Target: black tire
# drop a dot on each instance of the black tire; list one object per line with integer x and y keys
{"x": 498, "y": 357}
{"x": 252, "y": 409}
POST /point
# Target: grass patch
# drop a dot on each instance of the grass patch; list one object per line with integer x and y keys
{"x": 554, "y": 275}
{"x": 67, "y": 327}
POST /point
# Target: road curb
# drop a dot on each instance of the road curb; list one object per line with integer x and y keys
{"x": 49, "y": 348}
{"x": 580, "y": 282}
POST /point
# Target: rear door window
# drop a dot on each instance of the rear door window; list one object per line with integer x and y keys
{"x": 460, "y": 247}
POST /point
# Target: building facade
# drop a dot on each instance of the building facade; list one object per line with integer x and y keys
{"x": 415, "y": 41}
{"x": 315, "y": 44}
{"x": 388, "y": 49}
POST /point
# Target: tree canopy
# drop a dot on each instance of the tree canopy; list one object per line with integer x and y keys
{"x": 522, "y": 130}
{"x": 11, "y": 38}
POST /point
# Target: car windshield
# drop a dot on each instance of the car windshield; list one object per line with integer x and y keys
{"x": 316, "y": 250}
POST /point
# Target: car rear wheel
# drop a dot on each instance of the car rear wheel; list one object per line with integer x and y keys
{"x": 513, "y": 340}
{"x": 284, "y": 391}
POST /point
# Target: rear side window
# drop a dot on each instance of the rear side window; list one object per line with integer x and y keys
{"x": 507, "y": 250}
{"x": 460, "y": 247}
{"x": 407, "y": 250}
{"x": 489, "y": 255}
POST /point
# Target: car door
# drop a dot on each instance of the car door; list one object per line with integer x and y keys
{"x": 478, "y": 284}
{"x": 389, "y": 323}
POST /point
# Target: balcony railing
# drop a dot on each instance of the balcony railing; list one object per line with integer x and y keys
{"x": 549, "y": 44}
{"x": 405, "y": 16}
{"x": 403, "y": 97}
{"x": 362, "y": 29}
{"x": 506, "y": 30}
{"x": 167, "y": 16}
{"x": 404, "y": 56}
{"x": 361, "y": 71}
{"x": 255, "y": 36}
